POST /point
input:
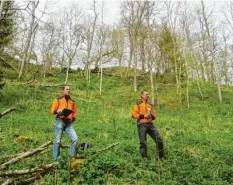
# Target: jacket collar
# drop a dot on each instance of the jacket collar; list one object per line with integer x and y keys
{"x": 144, "y": 101}
{"x": 66, "y": 97}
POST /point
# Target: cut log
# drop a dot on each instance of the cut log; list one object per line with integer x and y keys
{"x": 7, "y": 111}
{"x": 28, "y": 171}
{"x": 8, "y": 181}
{"x": 25, "y": 154}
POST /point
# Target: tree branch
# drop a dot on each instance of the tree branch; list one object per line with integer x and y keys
{"x": 106, "y": 148}
{"x": 24, "y": 155}
{"x": 7, "y": 111}
{"x": 28, "y": 171}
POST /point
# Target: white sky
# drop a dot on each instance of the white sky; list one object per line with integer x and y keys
{"x": 111, "y": 11}
{"x": 112, "y": 7}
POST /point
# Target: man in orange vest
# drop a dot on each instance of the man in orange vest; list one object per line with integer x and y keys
{"x": 144, "y": 113}
{"x": 65, "y": 110}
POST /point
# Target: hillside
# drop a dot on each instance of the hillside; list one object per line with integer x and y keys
{"x": 198, "y": 140}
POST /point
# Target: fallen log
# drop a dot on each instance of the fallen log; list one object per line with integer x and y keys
{"x": 25, "y": 154}
{"x": 100, "y": 150}
{"x": 29, "y": 82}
{"x": 106, "y": 148}
{"x": 7, "y": 111}
{"x": 28, "y": 171}
{"x": 8, "y": 181}
{"x": 9, "y": 64}
{"x": 32, "y": 179}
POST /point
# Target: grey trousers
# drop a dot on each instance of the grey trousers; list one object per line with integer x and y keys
{"x": 143, "y": 130}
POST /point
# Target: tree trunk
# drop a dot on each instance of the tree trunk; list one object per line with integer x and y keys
{"x": 135, "y": 72}
{"x": 101, "y": 74}
{"x": 89, "y": 45}
{"x": 1, "y": 7}
{"x": 29, "y": 38}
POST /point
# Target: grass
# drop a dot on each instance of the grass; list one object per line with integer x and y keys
{"x": 198, "y": 140}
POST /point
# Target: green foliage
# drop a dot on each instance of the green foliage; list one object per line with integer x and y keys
{"x": 198, "y": 141}
{"x": 172, "y": 58}
{"x": 7, "y": 24}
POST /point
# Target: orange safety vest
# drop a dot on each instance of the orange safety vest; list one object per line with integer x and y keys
{"x": 142, "y": 108}
{"x": 63, "y": 103}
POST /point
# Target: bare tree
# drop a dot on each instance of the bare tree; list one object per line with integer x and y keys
{"x": 49, "y": 44}
{"x": 32, "y": 29}
{"x": 133, "y": 14}
{"x": 227, "y": 34}
{"x": 172, "y": 21}
{"x": 101, "y": 48}
{"x": 118, "y": 39}
{"x": 90, "y": 31}
{"x": 2, "y": 3}
{"x": 72, "y": 35}
{"x": 211, "y": 41}
{"x": 149, "y": 47}
{"x": 186, "y": 21}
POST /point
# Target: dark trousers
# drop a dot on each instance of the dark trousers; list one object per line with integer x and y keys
{"x": 143, "y": 130}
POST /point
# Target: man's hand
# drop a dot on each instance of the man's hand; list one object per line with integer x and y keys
{"x": 147, "y": 116}
{"x": 58, "y": 112}
{"x": 144, "y": 116}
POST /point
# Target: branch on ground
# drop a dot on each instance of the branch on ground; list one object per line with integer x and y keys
{"x": 28, "y": 171}
{"x": 24, "y": 155}
{"x": 7, "y": 111}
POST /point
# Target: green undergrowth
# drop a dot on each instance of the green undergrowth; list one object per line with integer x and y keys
{"x": 198, "y": 140}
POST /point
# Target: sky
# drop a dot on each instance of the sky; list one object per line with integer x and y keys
{"x": 112, "y": 7}
{"x": 111, "y": 11}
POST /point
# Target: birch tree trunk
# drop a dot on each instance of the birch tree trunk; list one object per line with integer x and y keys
{"x": 101, "y": 74}
{"x": 213, "y": 70}
{"x": 32, "y": 28}
{"x": 90, "y": 39}
{"x": 135, "y": 71}
{"x": 1, "y": 7}
{"x": 175, "y": 6}
{"x": 101, "y": 50}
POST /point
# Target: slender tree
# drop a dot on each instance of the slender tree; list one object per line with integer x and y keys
{"x": 89, "y": 39}
{"x": 31, "y": 31}
{"x": 7, "y": 23}
{"x": 72, "y": 35}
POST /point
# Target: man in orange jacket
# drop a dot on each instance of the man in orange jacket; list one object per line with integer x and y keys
{"x": 145, "y": 114}
{"x": 65, "y": 110}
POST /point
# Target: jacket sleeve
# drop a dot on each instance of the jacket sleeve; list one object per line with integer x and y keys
{"x": 135, "y": 113}
{"x": 153, "y": 114}
{"x": 54, "y": 107}
{"x": 75, "y": 111}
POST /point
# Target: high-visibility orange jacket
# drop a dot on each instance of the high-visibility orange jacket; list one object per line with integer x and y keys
{"x": 141, "y": 110}
{"x": 63, "y": 103}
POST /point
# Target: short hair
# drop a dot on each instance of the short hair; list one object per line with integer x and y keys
{"x": 64, "y": 86}
{"x": 142, "y": 92}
